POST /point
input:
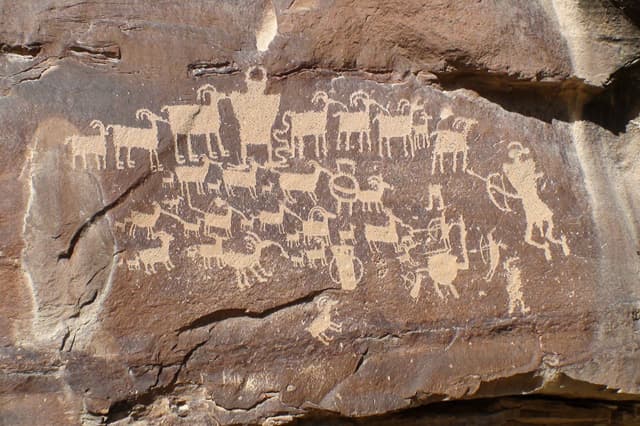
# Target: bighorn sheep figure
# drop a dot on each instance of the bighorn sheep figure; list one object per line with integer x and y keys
{"x": 312, "y": 228}
{"x": 241, "y": 177}
{"x": 152, "y": 256}
{"x": 355, "y": 122}
{"x": 197, "y": 120}
{"x": 399, "y": 126}
{"x": 224, "y": 221}
{"x": 274, "y": 218}
{"x": 452, "y": 142}
{"x": 146, "y": 221}
{"x": 245, "y": 263}
{"x": 306, "y": 124}
{"x": 376, "y": 234}
{"x": 137, "y": 137}
{"x": 371, "y": 199}
{"x": 302, "y": 182}
{"x": 323, "y": 322}
{"x": 95, "y": 145}
{"x": 193, "y": 174}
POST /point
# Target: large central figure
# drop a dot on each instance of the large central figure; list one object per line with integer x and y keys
{"x": 256, "y": 112}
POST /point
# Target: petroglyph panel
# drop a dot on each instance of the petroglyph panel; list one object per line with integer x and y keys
{"x": 244, "y": 212}
{"x": 258, "y": 186}
{"x": 287, "y": 224}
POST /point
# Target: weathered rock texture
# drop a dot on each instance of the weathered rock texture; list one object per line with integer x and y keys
{"x": 319, "y": 212}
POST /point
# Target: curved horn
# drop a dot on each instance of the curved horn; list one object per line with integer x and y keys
{"x": 388, "y": 108}
{"x": 320, "y": 95}
{"x": 97, "y": 124}
{"x": 403, "y": 104}
{"x": 340, "y": 104}
{"x": 253, "y": 236}
{"x": 357, "y": 95}
{"x": 257, "y": 67}
{"x": 142, "y": 113}
{"x": 322, "y": 301}
{"x": 207, "y": 88}
{"x": 374, "y": 179}
{"x": 317, "y": 209}
{"x": 273, "y": 243}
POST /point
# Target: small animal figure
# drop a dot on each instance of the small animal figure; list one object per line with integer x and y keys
{"x": 316, "y": 254}
{"x": 173, "y": 203}
{"x": 267, "y": 188}
{"x": 293, "y": 240}
{"x": 246, "y": 224}
{"x": 169, "y": 181}
{"x": 347, "y": 235}
{"x": 323, "y": 322}
{"x": 209, "y": 253}
{"x": 133, "y": 264}
{"x": 150, "y": 257}
{"x": 297, "y": 260}
{"x": 214, "y": 187}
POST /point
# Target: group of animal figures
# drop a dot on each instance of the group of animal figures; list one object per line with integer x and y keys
{"x": 313, "y": 224}
{"x": 199, "y": 125}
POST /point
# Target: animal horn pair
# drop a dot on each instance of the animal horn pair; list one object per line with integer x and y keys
{"x": 324, "y": 301}
{"x": 207, "y": 88}
{"x": 358, "y": 95}
{"x": 144, "y": 113}
{"x": 248, "y": 72}
{"x": 252, "y": 236}
{"x": 374, "y": 179}
{"x": 96, "y": 124}
{"x": 404, "y": 103}
{"x": 319, "y": 95}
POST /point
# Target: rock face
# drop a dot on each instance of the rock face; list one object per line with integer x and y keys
{"x": 316, "y": 211}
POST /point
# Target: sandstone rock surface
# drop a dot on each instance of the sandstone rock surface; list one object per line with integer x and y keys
{"x": 319, "y": 212}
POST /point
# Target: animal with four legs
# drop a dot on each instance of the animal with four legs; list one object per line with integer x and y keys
{"x": 409, "y": 124}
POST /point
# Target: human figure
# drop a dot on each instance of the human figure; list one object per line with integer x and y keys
{"x": 256, "y": 112}
{"x": 514, "y": 286}
{"x": 522, "y": 175}
{"x": 494, "y": 254}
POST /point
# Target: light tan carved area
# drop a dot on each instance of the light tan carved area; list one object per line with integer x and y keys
{"x": 311, "y": 188}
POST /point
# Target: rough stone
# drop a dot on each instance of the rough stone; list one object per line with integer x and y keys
{"x": 317, "y": 211}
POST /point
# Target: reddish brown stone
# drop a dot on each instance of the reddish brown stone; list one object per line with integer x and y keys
{"x": 263, "y": 213}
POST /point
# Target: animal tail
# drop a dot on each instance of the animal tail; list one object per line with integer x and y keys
{"x": 176, "y": 217}
{"x": 279, "y": 134}
{"x": 240, "y": 213}
{"x": 196, "y": 209}
{"x": 292, "y": 213}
